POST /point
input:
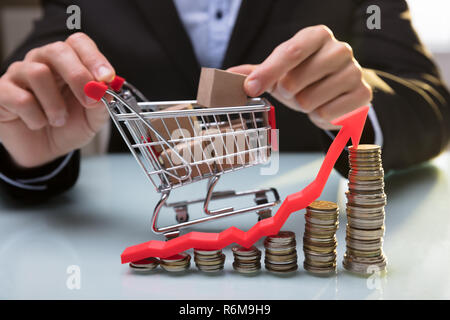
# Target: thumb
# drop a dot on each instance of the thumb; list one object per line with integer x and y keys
{"x": 242, "y": 69}
{"x": 245, "y": 69}
{"x": 97, "y": 117}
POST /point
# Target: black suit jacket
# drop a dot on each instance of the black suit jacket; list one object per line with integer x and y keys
{"x": 146, "y": 42}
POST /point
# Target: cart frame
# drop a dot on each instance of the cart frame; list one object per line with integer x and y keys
{"x": 128, "y": 106}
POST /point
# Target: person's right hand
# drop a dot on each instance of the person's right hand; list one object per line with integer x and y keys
{"x": 44, "y": 112}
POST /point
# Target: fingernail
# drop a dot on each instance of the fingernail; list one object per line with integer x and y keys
{"x": 59, "y": 122}
{"x": 314, "y": 117}
{"x": 104, "y": 73}
{"x": 253, "y": 87}
{"x": 299, "y": 107}
{"x": 283, "y": 92}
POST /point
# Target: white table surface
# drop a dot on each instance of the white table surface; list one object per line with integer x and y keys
{"x": 110, "y": 209}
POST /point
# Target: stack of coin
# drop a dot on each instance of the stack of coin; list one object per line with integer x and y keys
{"x": 144, "y": 265}
{"x": 365, "y": 211}
{"x": 281, "y": 252}
{"x": 209, "y": 260}
{"x": 246, "y": 260}
{"x": 319, "y": 240}
{"x": 176, "y": 263}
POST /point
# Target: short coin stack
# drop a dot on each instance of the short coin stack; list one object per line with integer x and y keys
{"x": 144, "y": 265}
{"x": 281, "y": 252}
{"x": 176, "y": 263}
{"x": 246, "y": 260}
{"x": 365, "y": 211}
{"x": 319, "y": 240}
{"x": 209, "y": 260}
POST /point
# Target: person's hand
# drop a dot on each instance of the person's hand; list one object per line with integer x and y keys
{"x": 44, "y": 112}
{"x": 313, "y": 73}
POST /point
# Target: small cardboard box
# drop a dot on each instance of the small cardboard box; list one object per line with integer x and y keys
{"x": 189, "y": 125}
{"x": 191, "y": 151}
{"x": 233, "y": 141}
{"x": 218, "y": 88}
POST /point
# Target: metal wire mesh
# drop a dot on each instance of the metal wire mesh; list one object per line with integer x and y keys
{"x": 179, "y": 142}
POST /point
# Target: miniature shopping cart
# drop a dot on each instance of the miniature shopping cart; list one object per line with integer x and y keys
{"x": 177, "y": 143}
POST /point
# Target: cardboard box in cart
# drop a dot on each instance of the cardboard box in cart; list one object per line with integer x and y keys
{"x": 223, "y": 143}
{"x": 177, "y": 128}
{"x": 220, "y": 148}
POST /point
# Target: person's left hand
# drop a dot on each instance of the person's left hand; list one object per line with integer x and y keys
{"x": 313, "y": 73}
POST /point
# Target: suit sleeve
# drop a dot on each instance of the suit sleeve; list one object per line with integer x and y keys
{"x": 41, "y": 182}
{"x": 410, "y": 99}
{"x": 61, "y": 174}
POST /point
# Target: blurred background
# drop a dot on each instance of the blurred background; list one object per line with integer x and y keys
{"x": 429, "y": 17}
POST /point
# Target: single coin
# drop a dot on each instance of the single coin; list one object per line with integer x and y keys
{"x": 287, "y": 257}
{"x": 321, "y": 205}
{"x": 175, "y": 258}
{"x": 144, "y": 264}
{"x": 176, "y": 263}
{"x": 365, "y": 148}
{"x": 244, "y": 251}
{"x": 207, "y": 252}
{"x": 282, "y": 235}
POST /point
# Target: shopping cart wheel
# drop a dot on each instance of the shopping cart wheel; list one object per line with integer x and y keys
{"x": 182, "y": 213}
{"x": 264, "y": 214}
{"x": 261, "y": 198}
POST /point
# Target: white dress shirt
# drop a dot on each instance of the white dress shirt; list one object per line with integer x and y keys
{"x": 209, "y": 24}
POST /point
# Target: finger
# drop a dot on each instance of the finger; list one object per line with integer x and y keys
{"x": 329, "y": 88}
{"x": 331, "y": 57}
{"x": 22, "y": 103}
{"x": 6, "y": 116}
{"x": 91, "y": 57}
{"x": 39, "y": 78}
{"x": 286, "y": 57}
{"x": 63, "y": 60}
{"x": 242, "y": 69}
{"x": 348, "y": 102}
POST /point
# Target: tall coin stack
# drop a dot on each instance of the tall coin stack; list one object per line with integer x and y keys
{"x": 246, "y": 260}
{"x": 365, "y": 211}
{"x": 209, "y": 260}
{"x": 319, "y": 240}
{"x": 281, "y": 252}
{"x": 177, "y": 263}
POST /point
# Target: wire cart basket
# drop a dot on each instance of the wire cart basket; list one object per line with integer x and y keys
{"x": 177, "y": 143}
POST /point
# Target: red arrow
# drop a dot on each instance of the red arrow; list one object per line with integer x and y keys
{"x": 352, "y": 127}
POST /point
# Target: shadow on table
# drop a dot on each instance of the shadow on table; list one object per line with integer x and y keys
{"x": 36, "y": 203}
{"x": 404, "y": 185}
{"x": 425, "y": 174}
{"x": 60, "y": 210}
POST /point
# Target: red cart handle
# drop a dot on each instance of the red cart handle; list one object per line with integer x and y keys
{"x": 273, "y": 141}
{"x": 117, "y": 83}
{"x": 97, "y": 89}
